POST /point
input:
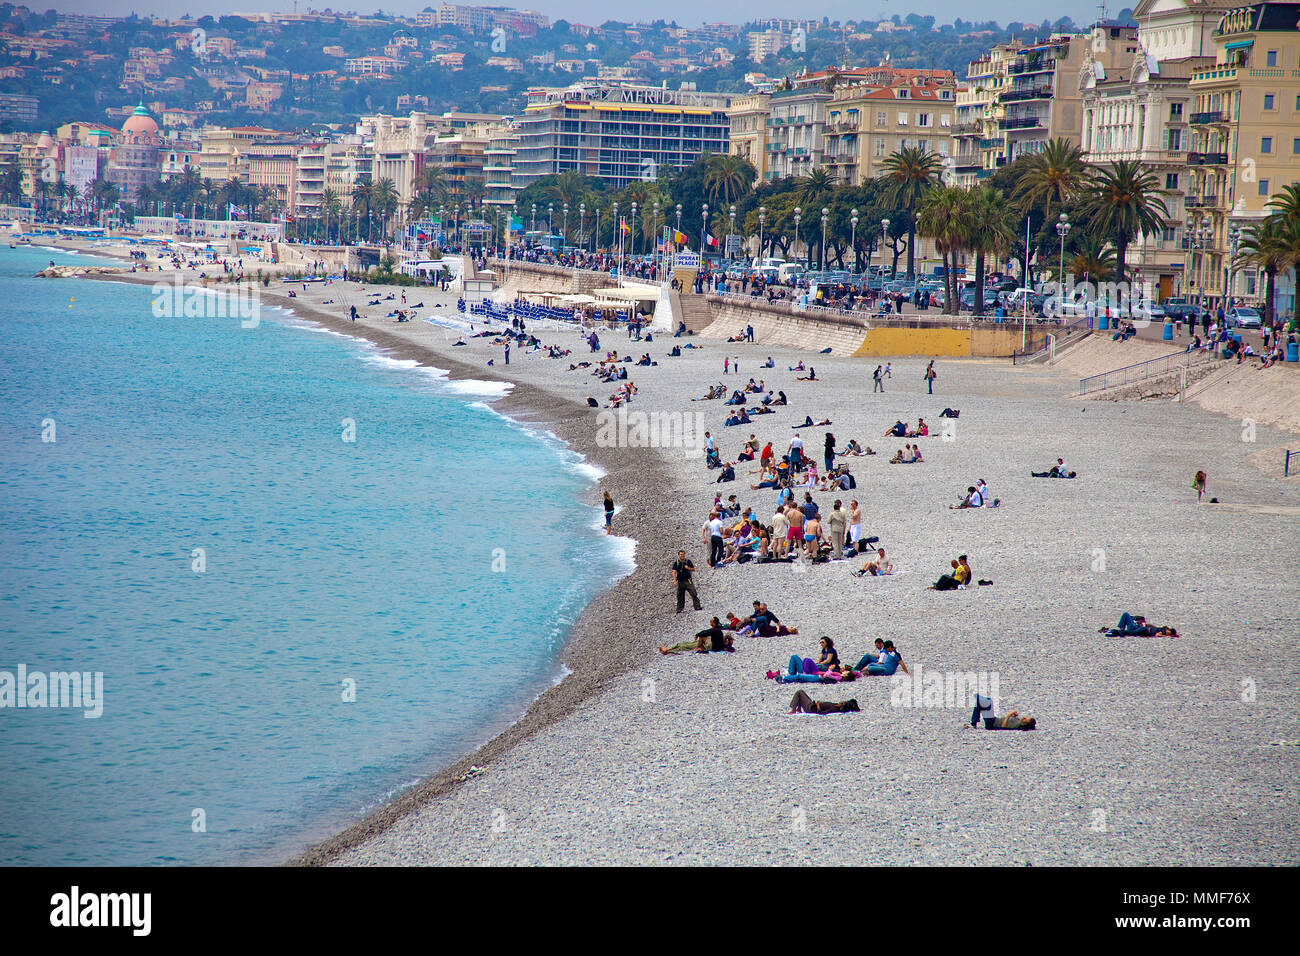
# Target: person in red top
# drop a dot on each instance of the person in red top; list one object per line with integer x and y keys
{"x": 767, "y": 455}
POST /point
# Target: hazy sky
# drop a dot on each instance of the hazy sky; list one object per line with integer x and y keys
{"x": 686, "y": 12}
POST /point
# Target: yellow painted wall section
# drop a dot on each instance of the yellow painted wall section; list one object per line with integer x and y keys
{"x": 998, "y": 341}
{"x": 949, "y": 343}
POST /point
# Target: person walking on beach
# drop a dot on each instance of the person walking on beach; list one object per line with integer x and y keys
{"x": 609, "y": 514}
{"x": 726, "y": 364}
{"x": 1198, "y": 482}
{"x": 682, "y": 578}
{"x": 880, "y": 385}
{"x": 930, "y": 376}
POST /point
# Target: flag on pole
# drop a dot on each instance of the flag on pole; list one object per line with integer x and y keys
{"x": 710, "y": 240}
{"x": 678, "y": 237}
{"x": 625, "y": 227}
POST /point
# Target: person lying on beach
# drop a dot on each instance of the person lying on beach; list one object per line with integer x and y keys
{"x": 801, "y": 703}
{"x": 1131, "y": 625}
{"x": 1009, "y": 721}
{"x": 805, "y": 670}
{"x": 950, "y": 413}
{"x": 877, "y": 566}
{"x": 851, "y": 449}
{"x": 796, "y": 368}
{"x": 712, "y": 638}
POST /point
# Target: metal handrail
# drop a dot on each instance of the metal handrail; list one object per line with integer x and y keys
{"x": 1144, "y": 370}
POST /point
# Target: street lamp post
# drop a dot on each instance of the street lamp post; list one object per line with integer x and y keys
{"x": 618, "y": 239}
{"x": 762, "y": 220}
{"x": 704, "y": 227}
{"x": 582, "y": 222}
{"x": 534, "y": 229}
{"x": 550, "y": 220}
{"x": 826, "y": 218}
{"x": 732, "y": 232}
{"x": 884, "y": 241}
{"x": 595, "y": 238}
{"x": 1234, "y": 237}
{"x": 565, "y": 229}
{"x": 853, "y": 237}
{"x": 1062, "y": 229}
{"x": 797, "y": 214}
{"x": 634, "y": 230}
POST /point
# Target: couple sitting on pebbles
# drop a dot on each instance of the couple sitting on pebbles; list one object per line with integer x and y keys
{"x": 762, "y": 623}
{"x": 827, "y": 669}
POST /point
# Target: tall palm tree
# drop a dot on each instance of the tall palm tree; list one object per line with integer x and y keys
{"x": 945, "y": 216}
{"x": 728, "y": 178}
{"x": 1266, "y": 246}
{"x": 991, "y": 233}
{"x": 1093, "y": 260}
{"x": 910, "y": 173}
{"x": 330, "y": 206}
{"x": 1051, "y": 176}
{"x": 815, "y": 187}
{"x": 384, "y": 200}
{"x": 1124, "y": 202}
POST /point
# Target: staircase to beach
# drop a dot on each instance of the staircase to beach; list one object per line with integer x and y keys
{"x": 692, "y": 309}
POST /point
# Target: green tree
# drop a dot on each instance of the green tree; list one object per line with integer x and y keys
{"x": 1124, "y": 202}
{"x": 991, "y": 233}
{"x": 1051, "y": 176}
{"x": 910, "y": 173}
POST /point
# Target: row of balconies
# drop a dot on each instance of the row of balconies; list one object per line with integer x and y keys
{"x": 1021, "y": 122}
{"x": 1207, "y": 159}
{"x": 1037, "y": 93}
{"x": 1208, "y": 119}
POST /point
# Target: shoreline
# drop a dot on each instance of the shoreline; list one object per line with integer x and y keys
{"x": 592, "y": 661}
{"x": 621, "y": 780}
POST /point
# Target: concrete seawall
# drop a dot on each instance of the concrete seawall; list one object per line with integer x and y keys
{"x": 858, "y": 334}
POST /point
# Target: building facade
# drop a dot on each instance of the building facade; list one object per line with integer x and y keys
{"x": 1245, "y": 132}
{"x": 621, "y": 133}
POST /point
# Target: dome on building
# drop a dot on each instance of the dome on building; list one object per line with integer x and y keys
{"x": 45, "y": 141}
{"x": 139, "y": 125}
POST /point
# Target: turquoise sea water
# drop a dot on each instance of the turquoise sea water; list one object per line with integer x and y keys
{"x": 435, "y": 563}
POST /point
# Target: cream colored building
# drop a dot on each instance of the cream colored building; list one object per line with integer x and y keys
{"x": 749, "y": 115}
{"x": 1245, "y": 128}
{"x": 885, "y": 110}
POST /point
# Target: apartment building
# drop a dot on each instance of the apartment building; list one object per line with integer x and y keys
{"x": 622, "y": 133}
{"x": 883, "y": 111}
{"x": 748, "y": 136}
{"x": 978, "y": 142}
{"x": 224, "y": 151}
{"x": 1020, "y": 97}
{"x": 274, "y": 166}
{"x": 499, "y": 189}
{"x": 796, "y": 130}
{"x": 1142, "y": 113}
{"x": 1245, "y": 131}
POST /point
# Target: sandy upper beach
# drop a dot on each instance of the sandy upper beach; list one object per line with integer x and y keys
{"x": 1149, "y": 751}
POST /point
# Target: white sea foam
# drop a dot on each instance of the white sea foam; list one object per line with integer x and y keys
{"x": 474, "y": 386}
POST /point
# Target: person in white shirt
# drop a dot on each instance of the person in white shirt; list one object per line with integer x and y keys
{"x": 716, "y": 550}
{"x": 779, "y": 527}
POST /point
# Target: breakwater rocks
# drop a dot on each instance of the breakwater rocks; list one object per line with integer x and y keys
{"x": 78, "y": 272}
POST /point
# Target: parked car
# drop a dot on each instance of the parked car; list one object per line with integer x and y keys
{"x": 1244, "y": 317}
{"x": 1180, "y": 309}
{"x": 1149, "y": 311}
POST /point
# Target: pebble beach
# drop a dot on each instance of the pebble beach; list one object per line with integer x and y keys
{"x": 1169, "y": 751}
